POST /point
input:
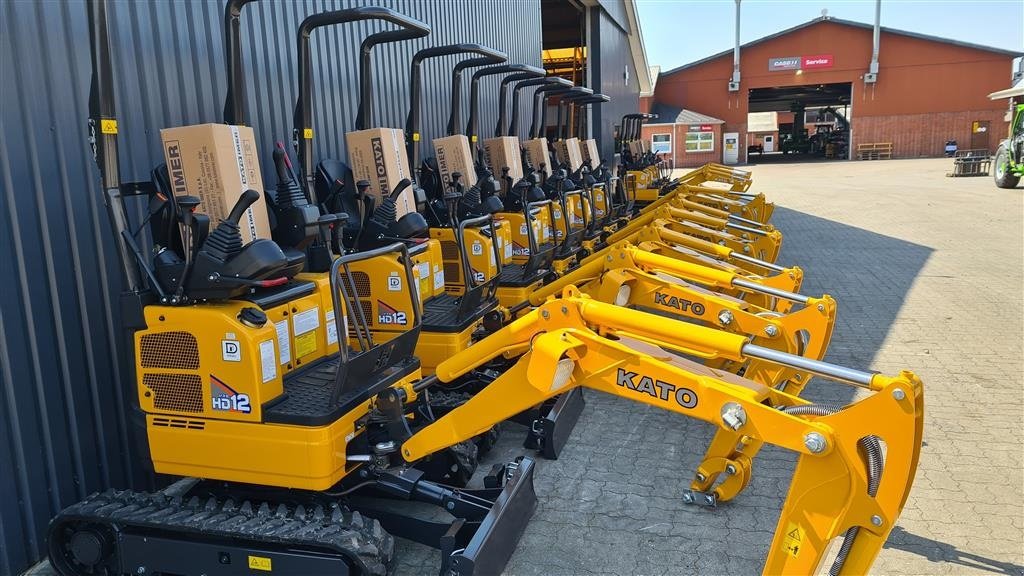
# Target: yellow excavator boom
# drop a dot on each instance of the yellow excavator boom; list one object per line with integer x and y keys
{"x": 842, "y": 485}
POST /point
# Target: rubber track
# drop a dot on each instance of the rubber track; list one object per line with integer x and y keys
{"x": 361, "y": 539}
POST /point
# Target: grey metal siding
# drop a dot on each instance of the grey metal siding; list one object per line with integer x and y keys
{"x": 612, "y": 59}
{"x": 64, "y": 431}
{"x": 616, "y": 10}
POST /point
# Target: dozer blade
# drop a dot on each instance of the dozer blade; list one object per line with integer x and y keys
{"x": 490, "y": 548}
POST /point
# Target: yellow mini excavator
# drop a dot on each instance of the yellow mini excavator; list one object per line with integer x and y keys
{"x": 284, "y": 472}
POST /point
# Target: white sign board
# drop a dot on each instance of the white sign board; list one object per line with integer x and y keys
{"x": 763, "y": 122}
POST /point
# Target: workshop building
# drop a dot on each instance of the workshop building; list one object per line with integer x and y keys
{"x": 927, "y": 91}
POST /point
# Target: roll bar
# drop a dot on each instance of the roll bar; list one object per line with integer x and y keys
{"x": 472, "y": 128}
{"x": 500, "y": 127}
{"x": 537, "y": 126}
{"x": 583, "y": 133}
{"x": 455, "y": 118}
{"x": 235, "y": 102}
{"x": 412, "y": 123}
{"x": 553, "y": 81}
{"x": 409, "y": 28}
{"x": 565, "y": 103}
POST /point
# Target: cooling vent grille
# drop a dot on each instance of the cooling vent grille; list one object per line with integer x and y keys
{"x": 179, "y": 423}
{"x": 172, "y": 350}
{"x": 449, "y": 250}
{"x": 176, "y": 392}
{"x": 362, "y": 282}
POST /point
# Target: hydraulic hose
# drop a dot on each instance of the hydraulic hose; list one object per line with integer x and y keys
{"x": 873, "y": 453}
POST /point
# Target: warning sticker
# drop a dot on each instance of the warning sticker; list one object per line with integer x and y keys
{"x": 306, "y": 322}
{"x": 305, "y": 344}
{"x": 267, "y": 360}
{"x": 284, "y": 342}
{"x": 793, "y": 539}
{"x": 332, "y": 328}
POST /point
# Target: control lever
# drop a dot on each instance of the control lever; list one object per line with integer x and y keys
{"x": 186, "y": 205}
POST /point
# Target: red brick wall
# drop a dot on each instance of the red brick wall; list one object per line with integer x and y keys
{"x": 917, "y": 135}
{"x": 917, "y": 77}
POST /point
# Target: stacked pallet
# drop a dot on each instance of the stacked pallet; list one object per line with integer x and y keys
{"x": 874, "y": 151}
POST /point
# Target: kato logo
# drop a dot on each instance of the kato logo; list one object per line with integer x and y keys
{"x": 656, "y": 388}
{"x": 381, "y": 171}
{"x": 224, "y": 398}
{"x": 519, "y": 250}
{"x": 174, "y": 166}
{"x": 388, "y": 315}
{"x": 679, "y": 303}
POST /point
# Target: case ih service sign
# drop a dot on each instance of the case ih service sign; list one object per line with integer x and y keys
{"x": 799, "y": 62}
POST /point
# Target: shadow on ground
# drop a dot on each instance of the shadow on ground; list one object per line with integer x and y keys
{"x": 936, "y": 551}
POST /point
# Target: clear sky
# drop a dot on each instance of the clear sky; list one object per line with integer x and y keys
{"x": 678, "y": 32}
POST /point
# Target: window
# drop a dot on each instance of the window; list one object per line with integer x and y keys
{"x": 700, "y": 141}
{"x": 661, "y": 143}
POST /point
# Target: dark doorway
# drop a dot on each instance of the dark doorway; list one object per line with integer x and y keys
{"x": 979, "y": 135}
{"x": 812, "y": 122}
{"x": 564, "y": 48}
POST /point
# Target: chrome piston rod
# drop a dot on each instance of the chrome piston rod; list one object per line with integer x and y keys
{"x": 831, "y": 371}
{"x": 757, "y": 262}
{"x": 754, "y": 287}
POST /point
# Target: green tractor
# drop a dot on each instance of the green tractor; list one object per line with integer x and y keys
{"x": 1009, "y": 160}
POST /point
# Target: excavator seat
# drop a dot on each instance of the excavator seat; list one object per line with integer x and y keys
{"x": 336, "y": 190}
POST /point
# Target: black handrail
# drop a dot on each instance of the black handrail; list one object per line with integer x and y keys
{"x": 537, "y": 126}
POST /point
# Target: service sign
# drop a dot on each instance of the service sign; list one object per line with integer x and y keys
{"x": 800, "y": 62}
{"x": 820, "y": 61}
{"x": 784, "y": 63}
{"x": 701, "y": 128}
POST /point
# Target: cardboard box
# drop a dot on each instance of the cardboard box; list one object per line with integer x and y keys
{"x": 453, "y": 154}
{"x": 536, "y": 151}
{"x": 636, "y": 147}
{"x": 217, "y": 163}
{"x": 588, "y": 149}
{"x": 503, "y": 152}
{"x": 568, "y": 153}
{"x": 378, "y": 156}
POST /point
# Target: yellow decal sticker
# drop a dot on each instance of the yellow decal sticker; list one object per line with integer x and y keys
{"x": 108, "y": 126}
{"x": 305, "y": 344}
{"x": 307, "y": 133}
{"x": 415, "y": 136}
{"x": 473, "y": 138}
{"x": 793, "y": 539}
{"x": 260, "y": 563}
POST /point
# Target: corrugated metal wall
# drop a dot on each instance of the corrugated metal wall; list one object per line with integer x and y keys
{"x": 63, "y": 427}
{"x": 608, "y": 75}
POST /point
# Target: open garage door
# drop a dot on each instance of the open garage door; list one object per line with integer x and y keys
{"x": 799, "y": 123}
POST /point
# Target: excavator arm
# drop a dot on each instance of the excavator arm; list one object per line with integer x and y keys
{"x": 841, "y": 485}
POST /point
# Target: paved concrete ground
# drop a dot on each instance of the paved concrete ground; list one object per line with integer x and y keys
{"x": 927, "y": 272}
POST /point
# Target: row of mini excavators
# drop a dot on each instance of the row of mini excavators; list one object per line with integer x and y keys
{"x": 519, "y": 273}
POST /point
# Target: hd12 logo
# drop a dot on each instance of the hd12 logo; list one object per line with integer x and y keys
{"x": 224, "y": 398}
{"x": 388, "y": 315}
